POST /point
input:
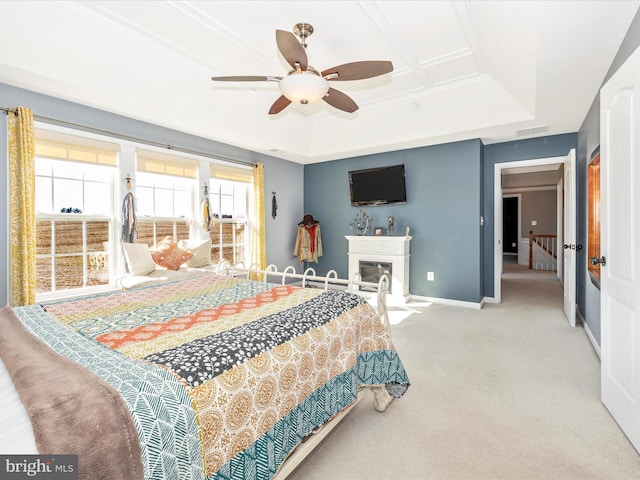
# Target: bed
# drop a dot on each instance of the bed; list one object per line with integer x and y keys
{"x": 211, "y": 377}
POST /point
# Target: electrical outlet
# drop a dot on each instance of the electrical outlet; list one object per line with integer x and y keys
{"x": 430, "y": 276}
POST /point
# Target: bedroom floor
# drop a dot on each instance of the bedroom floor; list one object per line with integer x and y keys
{"x": 507, "y": 392}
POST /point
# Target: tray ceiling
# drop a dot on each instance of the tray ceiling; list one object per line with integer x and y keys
{"x": 493, "y": 70}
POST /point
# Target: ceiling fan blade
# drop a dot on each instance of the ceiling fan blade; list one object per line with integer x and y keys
{"x": 358, "y": 70}
{"x": 279, "y": 105}
{"x": 339, "y": 100}
{"x": 291, "y": 49}
{"x": 247, "y": 78}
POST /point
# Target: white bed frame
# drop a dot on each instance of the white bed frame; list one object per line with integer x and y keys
{"x": 382, "y": 398}
{"x": 310, "y": 279}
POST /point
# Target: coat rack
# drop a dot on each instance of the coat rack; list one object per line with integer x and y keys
{"x": 274, "y": 205}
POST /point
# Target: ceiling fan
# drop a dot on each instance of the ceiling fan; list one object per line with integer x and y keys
{"x": 304, "y": 84}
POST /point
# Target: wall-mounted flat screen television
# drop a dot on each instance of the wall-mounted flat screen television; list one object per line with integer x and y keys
{"x": 378, "y": 186}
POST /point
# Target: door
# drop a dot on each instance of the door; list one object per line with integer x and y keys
{"x": 510, "y": 225}
{"x": 569, "y": 238}
{"x": 620, "y": 237}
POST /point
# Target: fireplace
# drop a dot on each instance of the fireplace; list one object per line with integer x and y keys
{"x": 372, "y": 256}
{"x": 373, "y": 271}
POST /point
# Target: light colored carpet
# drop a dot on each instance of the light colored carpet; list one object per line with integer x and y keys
{"x": 507, "y": 392}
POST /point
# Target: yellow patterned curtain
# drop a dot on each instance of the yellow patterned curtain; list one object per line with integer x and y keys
{"x": 22, "y": 207}
{"x": 258, "y": 247}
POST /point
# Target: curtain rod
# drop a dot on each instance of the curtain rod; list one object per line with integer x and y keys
{"x": 121, "y": 136}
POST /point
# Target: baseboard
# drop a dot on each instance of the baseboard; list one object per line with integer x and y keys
{"x": 489, "y": 300}
{"x": 590, "y": 336}
{"x": 447, "y": 301}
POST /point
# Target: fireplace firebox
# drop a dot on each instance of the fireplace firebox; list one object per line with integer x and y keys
{"x": 372, "y": 272}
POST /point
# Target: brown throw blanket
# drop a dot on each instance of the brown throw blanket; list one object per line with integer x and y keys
{"x": 72, "y": 410}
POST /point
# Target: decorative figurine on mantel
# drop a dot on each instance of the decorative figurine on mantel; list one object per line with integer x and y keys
{"x": 407, "y": 231}
{"x": 362, "y": 223}
{"x": 390, "y": 222}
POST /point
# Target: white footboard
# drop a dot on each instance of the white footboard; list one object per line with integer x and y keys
{"x": 309, "y": 276}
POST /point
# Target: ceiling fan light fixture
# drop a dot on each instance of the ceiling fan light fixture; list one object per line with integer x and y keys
{"x": 304, "y": 87}
{"x": 305, "y": 84}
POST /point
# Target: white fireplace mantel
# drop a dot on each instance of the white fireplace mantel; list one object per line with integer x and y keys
{"x": 393, "y": 250}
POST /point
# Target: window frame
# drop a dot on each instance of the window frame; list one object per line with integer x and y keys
{"x": 126, "y": 151}
{"x": 156, "y": 220}
{"x": 234, "y": 245}
{"x": 55, "y": 292}
{"x": 97, "y": 155}
{"x": 220, "y": 221}
{"x": 158, "y": 189}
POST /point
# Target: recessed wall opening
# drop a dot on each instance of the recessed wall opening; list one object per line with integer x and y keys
{"x": 533, "y": 169}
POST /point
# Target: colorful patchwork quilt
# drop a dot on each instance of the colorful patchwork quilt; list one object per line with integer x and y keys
{"x": 223, "y": 376}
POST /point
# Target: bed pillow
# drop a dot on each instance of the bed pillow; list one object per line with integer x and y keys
{"x": 201, "y": 250}
{"x": 138, "y": 258}
{"x": 169, "y": 255}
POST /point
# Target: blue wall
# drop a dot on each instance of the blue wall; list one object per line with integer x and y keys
{"x": 444, "y": 203}
{"x": 281, "y": 176}
{"x": 449, "y": 187}
{"x": 544, "y": 147}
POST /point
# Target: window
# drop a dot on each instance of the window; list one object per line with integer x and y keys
{"x": 165, "y": 189}
{"x": 153, "y": 230}
{"x": 593, "y": 215}
{"x": 229, "y": 196}
{"x": 80, "y": 179}
{"x": 72, "y": 253}
{"x": 74, "y": 211}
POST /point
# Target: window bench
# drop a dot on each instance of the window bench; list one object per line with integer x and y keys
{"x": 161, "y": 275}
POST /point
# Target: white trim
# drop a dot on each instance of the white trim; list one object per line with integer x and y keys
{"x": 497, "y": 214}
{"x": 448, "y": 301}
{"x": 528, "y": 189}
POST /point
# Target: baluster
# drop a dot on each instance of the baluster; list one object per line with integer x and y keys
{"x": 546, "y": 257}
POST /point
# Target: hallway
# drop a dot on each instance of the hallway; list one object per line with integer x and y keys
{"x": 523, "y": 286}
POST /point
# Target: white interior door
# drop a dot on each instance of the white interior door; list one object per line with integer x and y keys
{"x": 569, "y": 238}
{"x": 620, "y": 236}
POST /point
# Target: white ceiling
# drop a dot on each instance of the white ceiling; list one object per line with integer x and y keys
{"x": 462, "y": 69}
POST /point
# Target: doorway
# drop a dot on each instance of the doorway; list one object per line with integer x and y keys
{"x": 500, "y": 247}
{"x": 510, "y": 226}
